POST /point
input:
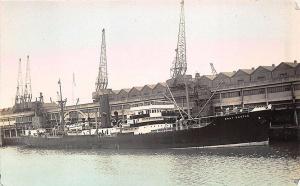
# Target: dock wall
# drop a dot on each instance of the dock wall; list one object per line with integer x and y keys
{"x": 284, "y": 134}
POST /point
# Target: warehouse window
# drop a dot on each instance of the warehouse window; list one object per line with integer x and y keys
{"x": 283, "y": 75}
{"x": 279, "y": 89}
{"x": 261, "y": 78}
{"x": 254, "y": 92}
{"x": 231, "y": 94}
{"x": 240, "y": 81}
{"x": 297, "y": 87}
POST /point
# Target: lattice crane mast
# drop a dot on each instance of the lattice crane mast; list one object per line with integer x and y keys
{"x": 102, "y": 93}
{"x": 73, "y": 88}
{"x": 179, "y": 66}
{"x": 102, "y": 79}
{"x": 27, "y": 91}
{"x": 213, "y": 70}
{"x": 19, "y": 93}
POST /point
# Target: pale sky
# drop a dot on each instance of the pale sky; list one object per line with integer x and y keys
{"x": 63, "y": 37}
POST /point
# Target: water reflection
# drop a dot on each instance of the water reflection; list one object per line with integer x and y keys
{"x": 278, "y": 164}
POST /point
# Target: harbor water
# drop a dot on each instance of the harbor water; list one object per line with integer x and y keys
{"x": 264, "y": 165}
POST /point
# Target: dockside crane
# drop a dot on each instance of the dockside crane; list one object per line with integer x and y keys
{"x": 27, "y": 92}
{"x": 73, "y": 88}
{"x": 19, "y": 93}
{"x": 213, "y": 70}
{"x": 179, "y": 66}
{"x": 102, "y": 79}
{"x": 102, "y": 93}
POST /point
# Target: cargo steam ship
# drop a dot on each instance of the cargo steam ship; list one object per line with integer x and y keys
{"x": 158, "y": 126}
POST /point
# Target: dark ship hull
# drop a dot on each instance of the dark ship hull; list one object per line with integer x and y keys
{"x": 238, "y": 129}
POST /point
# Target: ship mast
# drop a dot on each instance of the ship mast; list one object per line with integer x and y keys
{"x": 61, "y": 103}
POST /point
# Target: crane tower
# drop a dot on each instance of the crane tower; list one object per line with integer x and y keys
{"x": 102, "y": 80}
{"x": 180, "y": 65}
{"x": 19, "y": 94}
{"x": 27, "y": 92}
{"x": 213, "y": 70}
{"x": 102, "y": 93}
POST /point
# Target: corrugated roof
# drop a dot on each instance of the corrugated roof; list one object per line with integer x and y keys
{"x": 270, "y": 68}
{"x": 229, "y": 74}
{"x": 160, "y": 83}
{"x": 138, "y": 88}
{"x": 247, "y": 71}
{"x": 126, "y": 89}
{"x": 211, "y": 77}
{"x": 163, "y": 83}
{"x": 116, "y": 91}
{"x": 292, "y": 64}
{"x": 152, "y": 86}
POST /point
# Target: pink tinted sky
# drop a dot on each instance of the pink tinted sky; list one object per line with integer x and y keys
{"x": 63, "y": 37}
